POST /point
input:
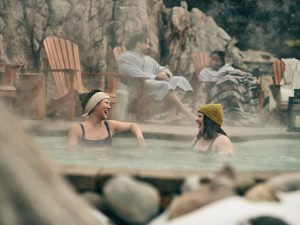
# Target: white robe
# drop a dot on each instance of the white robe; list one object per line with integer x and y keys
{"x": 134, "y": 65}
{"x": 208, "y": 74}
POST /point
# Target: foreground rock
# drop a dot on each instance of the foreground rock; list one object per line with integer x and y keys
{"x": 208, "y": 190}
{"x": 31, "y": 190}
{"x": 133, "y": 201}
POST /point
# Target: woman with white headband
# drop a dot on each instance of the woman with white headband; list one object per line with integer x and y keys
{"x": 96, "y": 130}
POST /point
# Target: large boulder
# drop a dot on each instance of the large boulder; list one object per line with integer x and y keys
{"x": 133, "y": 201}
{"x": 100, "y": 25}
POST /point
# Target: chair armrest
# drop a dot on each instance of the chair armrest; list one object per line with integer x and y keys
{"x": 105, "y": 74}
{"x": 63, "y": 70}
{"x": 12, "y": 66}
{"x": 10, "y": 73}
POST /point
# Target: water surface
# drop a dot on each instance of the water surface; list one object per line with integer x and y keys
{"x": 259, "y": 155}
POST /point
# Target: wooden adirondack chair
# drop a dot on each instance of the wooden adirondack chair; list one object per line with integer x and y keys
{"x": 200, "y": 61}
{"x": 64, "y": 62}
{"x": 139, "y": 83}
{"x": 7, "y": 89}
{"x": 278, "y": 72}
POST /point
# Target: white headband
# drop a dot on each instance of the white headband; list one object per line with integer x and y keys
{"x": 93, "y": 101}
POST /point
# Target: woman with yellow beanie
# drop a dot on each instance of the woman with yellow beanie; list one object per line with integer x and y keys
{"x": 211, "y": 137}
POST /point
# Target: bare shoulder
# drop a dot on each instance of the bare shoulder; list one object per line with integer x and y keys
{"x": 224, "y": 144}
{"x": 75, "y": 128}
{"x": 223, "y": 139}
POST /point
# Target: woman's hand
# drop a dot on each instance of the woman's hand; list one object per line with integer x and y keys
{"x": 162, "y": 76}
{"x": 134, "y": 128}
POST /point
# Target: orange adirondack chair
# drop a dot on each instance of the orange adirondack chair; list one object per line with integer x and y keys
{"x": 139, "y": 83}
{"x": 200, "y": 61}
{"x": 64, "y": 65}
{"x": 278, "y": 71}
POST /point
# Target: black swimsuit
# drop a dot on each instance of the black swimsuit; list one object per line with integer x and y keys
{"x": 209, "y": 149}
{"x": 96, "y": 143}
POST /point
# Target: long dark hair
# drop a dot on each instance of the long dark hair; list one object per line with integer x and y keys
{"x": 85, "y": 97}
{"x": 210, "y": 130}
{"x": 220, "y": 54}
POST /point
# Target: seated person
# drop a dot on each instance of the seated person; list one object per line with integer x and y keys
{"x": 217, "y": 66}
{"x": 160, "y": 84}
{"x": 96, "y": 130}
{"x": 233, "y": 88}
{"x": 211, "y": 137}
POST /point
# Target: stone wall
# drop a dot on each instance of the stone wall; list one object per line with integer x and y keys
{"x": 99, "y": 25}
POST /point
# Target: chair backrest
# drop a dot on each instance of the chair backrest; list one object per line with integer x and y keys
{"x": 278, "y": 70}
{"x": 9, "y": 73}
{"x": 62, "y": 55}
{"x": 200, "y": 61}
{"x": 118, "y": 50}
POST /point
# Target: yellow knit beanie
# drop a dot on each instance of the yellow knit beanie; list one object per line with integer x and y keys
{"x": 213, "y": 112}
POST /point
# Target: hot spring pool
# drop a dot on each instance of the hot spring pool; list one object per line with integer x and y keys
{"x": 258, "y": 155}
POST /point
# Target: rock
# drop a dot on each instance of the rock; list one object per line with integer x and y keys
{"x": 245, "y": 184}
{"x": 191, "y": 201}
{"x": 133, "y": 201}
{"x": 186, "y": 33}
{"x": 93, "y": 199}
{"x": 193, "y": 183}
{"x": 222, "y": 185}
{"x": 262, "y": 192}
{"x": 99, "y": 26}
{"x": 286, "y": 182}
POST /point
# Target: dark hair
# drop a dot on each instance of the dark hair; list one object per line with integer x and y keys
{"x": 137, "y": 38}
{"x": 85, "y": 97}
{"x": 210, "y": 130}
{"x": 267, "y": 220}
{"x": 220, "y": 54}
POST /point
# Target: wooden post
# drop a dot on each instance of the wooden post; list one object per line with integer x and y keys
{"x": 32, "y": 89}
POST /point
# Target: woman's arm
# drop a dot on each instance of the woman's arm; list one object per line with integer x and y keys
{"x": 74, "y": 135}
{"x": 118, "y": 126}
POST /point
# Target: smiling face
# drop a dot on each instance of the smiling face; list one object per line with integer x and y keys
{"x": 200, "y": 121}
{"x": 215, "y": 62}
{"x": 102, "y": 109}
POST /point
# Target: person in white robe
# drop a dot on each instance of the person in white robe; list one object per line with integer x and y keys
{"x": 216, "y": 67}
{"x": 160, "y": 84}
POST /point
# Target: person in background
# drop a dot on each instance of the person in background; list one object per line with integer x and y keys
{"x": 216, "y": 67}
{"x": 211, "y": 137}
{"x": 235, "y": 89}
{"x": 96, "y": 130}
{"x": 160, "y": 84}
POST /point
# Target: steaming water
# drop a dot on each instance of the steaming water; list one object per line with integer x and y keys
{"x": 259, "y": 155}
